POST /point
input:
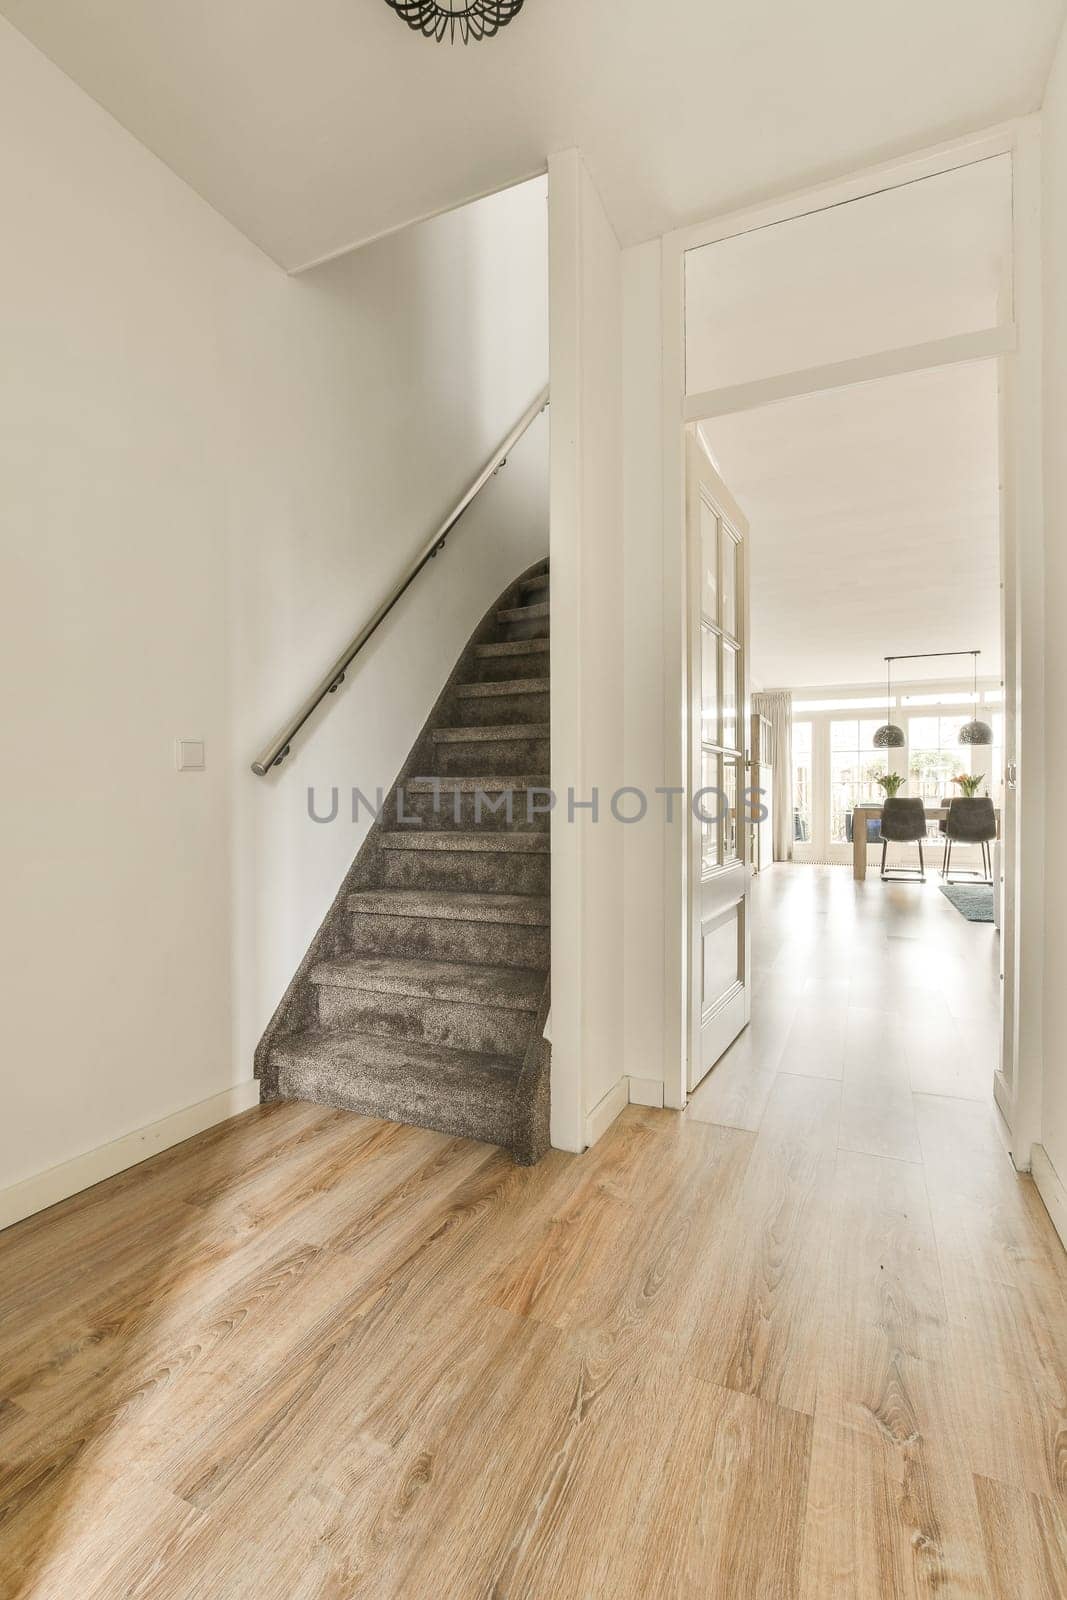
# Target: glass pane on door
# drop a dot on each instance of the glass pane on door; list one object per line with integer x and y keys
{"x": 730, "y": 554}
{"x": 709, "y": 686}
{"x": 710, "y": 807}
{"x": 730, "y": 730}
{"x": 732, "y": 796}
{"x": 709, "y": 562}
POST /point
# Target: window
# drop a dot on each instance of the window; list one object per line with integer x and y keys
{"x": 802, "y": 795}
{"x": 836, "y": 765}
{"x": 853, "y": 703}
{"x": 935, "y": 757}
{"x": 937, "y": 700}
{"x": 854, "y": 766}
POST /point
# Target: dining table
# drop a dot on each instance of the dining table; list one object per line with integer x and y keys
{"x": 861, "y": 815}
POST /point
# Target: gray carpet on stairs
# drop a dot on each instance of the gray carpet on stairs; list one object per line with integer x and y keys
{"x": 424, "y": 995}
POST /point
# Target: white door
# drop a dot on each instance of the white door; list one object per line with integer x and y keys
{"x": 719, "y": 841}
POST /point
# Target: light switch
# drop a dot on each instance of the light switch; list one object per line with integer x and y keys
{"x": 189, "y": 755}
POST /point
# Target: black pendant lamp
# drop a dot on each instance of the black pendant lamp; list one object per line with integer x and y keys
{"x": 470, "y": 19}
{"x": 889, "y": 736}
{"x": 976, "y": 731}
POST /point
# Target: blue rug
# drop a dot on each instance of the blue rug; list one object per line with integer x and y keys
{"x": 972, "y": 900}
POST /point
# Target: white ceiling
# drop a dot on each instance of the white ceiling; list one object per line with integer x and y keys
{"x": 873, "y": 513}
{"x": 316, "y": 126}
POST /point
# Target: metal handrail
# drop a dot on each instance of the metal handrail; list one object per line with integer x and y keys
{"x": 274, "y": 753}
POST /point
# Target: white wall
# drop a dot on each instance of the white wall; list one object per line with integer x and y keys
{"x": 208, "y": 473}
{"x": 588, "y": 1075}
{"x": 1054, "y": 232}
{"x": 116, "y": 927}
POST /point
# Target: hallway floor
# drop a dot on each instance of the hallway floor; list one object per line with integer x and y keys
{"x": 808, "y": 1340}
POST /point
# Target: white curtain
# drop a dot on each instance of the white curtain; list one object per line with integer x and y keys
{"x": 777, "y": 707}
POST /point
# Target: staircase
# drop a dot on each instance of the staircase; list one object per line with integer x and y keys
{"x": 424, "y": 996}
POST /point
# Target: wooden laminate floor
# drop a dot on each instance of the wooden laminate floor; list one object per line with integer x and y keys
{"x": 808, "y": 1340}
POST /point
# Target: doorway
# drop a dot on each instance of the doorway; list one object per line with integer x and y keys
{"x": 814, "y": 295}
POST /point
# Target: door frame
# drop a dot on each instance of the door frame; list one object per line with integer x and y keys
{"x": 1016, "y": 342}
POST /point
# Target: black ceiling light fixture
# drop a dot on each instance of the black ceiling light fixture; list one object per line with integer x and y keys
{"x": 973, "y": 732}
{"x": 889, "y": 736}
{"x": 470, "y": 19}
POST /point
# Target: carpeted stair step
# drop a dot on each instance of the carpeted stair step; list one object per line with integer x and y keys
{"x": 503, "y": 701}
{"x": 509, "y": 930}
{"x": 506, "y": 843}
{"x": 503, "y": 733}
{"x": 515, "y": 658}
{"x": 454, "y": 804}
{"x": 508, "y": 747}
{"x": 539, "y": 581}
{"x": 461, "y": 1092}
{"x": 458, "y": 1004}
{"x": 508, "y": 686}
{"x": 491, "y": 859}
{"x": 533, "y": 613}
{"x": 525, "y": 910}
{"x": 526, "y": 622}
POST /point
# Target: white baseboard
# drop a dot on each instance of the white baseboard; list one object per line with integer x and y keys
{"x": 1051, "y": 1190}
{"x": 603, "y": 1114}
{"x": 70, "y": 1177}
{"x": 627, "y": 1092}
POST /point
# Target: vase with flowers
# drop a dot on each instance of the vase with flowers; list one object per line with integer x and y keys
{"x": 889, "y": 783}
{"x": 968, "y": 783}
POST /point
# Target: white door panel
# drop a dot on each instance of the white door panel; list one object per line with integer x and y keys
{"x": 719, "y": 872}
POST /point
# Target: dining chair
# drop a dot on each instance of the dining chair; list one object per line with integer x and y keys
{"x": 903, "y": 822}
{"x": 971, "y": 820}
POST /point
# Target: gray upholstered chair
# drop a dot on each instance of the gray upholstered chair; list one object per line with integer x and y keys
{"x": 970, "y": 821}
{"x": 903, "y": 822}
